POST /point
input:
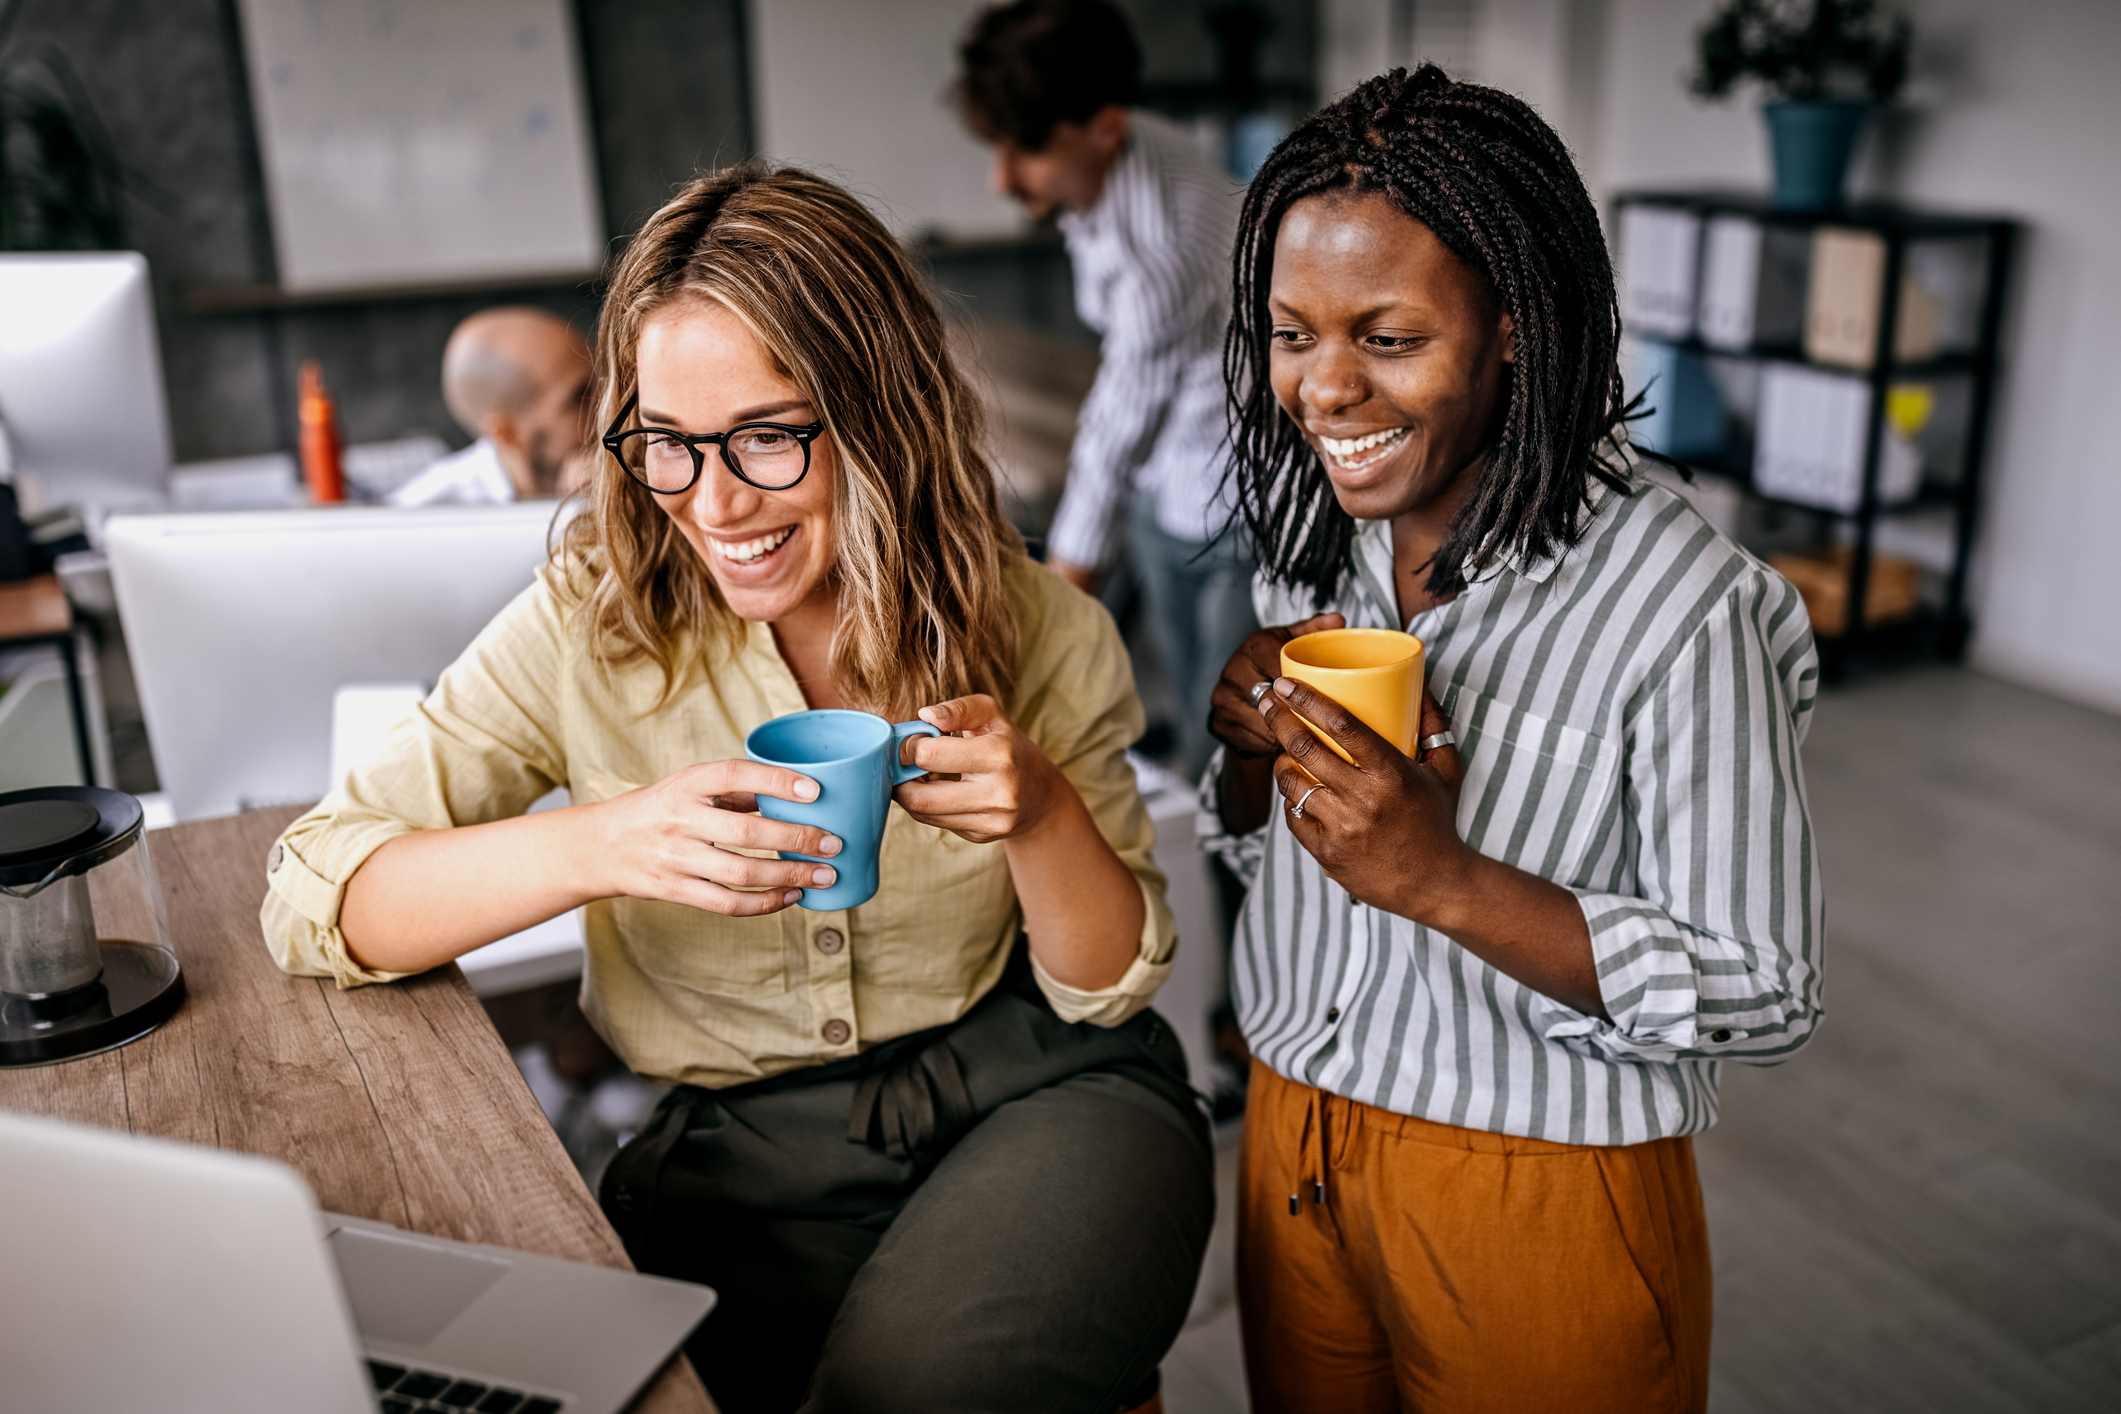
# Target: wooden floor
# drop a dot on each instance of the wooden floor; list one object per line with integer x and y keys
{"x": 1922, "y": 1211}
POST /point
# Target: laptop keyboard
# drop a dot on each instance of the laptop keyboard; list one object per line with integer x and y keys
{"x": 407, "y": 1391}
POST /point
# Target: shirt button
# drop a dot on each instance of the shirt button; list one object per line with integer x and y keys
{"x": 837, "y": 1032}
{"x": 1332, "y": 1013}
{"x": 1719, "y": 1035}
{"x": 272, "y": 861}
{"x": 831, "y": 941}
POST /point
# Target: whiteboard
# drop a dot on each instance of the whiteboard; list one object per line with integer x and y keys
{"x": 407, "y": 142}
{"x": 859, "y": 92}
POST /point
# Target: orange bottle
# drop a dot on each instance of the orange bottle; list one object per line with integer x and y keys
{"x": 320, "y": 438}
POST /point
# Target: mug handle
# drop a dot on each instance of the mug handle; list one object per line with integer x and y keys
{"x": 900, "y": 773}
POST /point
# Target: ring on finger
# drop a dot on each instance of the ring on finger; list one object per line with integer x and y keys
{"x": 1259, "y": 690}
{"x": 1439, "y": 740}
{"x": 1296, "y": 811}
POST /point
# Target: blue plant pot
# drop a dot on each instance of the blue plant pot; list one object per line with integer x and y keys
{"x": 1811, "y": 144}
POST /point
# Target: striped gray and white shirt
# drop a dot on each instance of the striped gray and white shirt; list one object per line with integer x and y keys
{"x": 1152, "y": 275}
{"x": 1630, "y": 716}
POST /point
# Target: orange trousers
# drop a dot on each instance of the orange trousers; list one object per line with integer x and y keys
{"x": 1453, "y": 1271}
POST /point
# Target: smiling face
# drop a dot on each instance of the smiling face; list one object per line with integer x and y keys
{"x": 1387, "y": 351}
{"x": 770, "y": 552}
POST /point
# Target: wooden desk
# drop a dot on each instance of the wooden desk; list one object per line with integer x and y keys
{"x": 397, "y": 1103}
{"x": 34, "y": 613}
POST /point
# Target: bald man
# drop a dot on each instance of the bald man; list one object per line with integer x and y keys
{"x": 516, "y": 379}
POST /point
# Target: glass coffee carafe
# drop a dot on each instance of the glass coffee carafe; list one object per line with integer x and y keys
{"x": 85, "y": 963}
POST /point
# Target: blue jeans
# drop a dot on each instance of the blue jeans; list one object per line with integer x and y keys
{"x": 1199, "y": 609}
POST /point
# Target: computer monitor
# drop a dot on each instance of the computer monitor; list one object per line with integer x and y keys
{"x": 243, "y": 626}
{"x": 81, "y": 401}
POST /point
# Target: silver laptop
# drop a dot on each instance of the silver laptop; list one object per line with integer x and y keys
{"x": 142, "y": 1274}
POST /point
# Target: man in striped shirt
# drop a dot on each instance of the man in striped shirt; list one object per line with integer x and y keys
{"x": 1148, "y": 223}
{"x": 1489, "y": 989}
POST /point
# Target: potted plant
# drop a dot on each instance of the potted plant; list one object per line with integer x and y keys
{"x": 1825, "y": 64}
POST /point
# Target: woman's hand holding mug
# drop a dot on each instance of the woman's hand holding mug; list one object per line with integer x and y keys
{"x": 1233, "y": 708}
{"x": 1382, "y": 824}
{"x": 1005, "y": 785}
{"x": 674, "y": 841}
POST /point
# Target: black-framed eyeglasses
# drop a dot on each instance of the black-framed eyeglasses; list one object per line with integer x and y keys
{"x": 772, "y": 456}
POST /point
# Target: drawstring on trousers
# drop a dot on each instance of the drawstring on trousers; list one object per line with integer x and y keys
{"x": 1311, "y": 1152}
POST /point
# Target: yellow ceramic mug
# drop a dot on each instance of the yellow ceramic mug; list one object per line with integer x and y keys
{"x": 1375, "y": 673}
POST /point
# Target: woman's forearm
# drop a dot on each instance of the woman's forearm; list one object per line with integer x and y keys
{"x": 1082, "y": 905}
{"x": 1244, "y": 792}
{"x": 430, "y": 897}
{"x": 1528, "y": 927}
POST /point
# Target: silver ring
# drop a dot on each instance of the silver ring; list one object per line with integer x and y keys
{"x": 1261, "y": 689}
{"x": 1296, "y": 811}
{"x": 1444, "y": 738}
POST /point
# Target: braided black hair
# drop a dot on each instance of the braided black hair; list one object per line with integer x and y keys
{"x": 1484, "y": 172}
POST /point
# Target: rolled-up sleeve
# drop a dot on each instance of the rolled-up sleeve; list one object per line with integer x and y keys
{"x": 484, "y": 745}
{"x": 1081, "y": 707}
{"x": 1718, "y": 953}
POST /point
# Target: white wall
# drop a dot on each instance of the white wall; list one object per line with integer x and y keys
{"x": 858, "y": 92}
{"x": 2015, "y": 109}
{"x": 1359, "y": 38}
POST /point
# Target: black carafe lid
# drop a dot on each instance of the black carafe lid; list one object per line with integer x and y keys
{"x": 68, "y": 828}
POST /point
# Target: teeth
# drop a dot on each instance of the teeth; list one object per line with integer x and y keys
{"x": 1342, "y": 449}
{"x": 749, "y": 550}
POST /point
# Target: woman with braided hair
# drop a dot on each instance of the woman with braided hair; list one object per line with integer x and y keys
{"x": 1489, "y": 989}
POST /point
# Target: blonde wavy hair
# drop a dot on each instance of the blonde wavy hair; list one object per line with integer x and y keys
{"x": 846, "y": 316}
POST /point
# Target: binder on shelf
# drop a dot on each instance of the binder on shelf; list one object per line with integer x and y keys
{"x": 1753, "y": 284}
{"x": 1660, "y": 253}
{"x": 1686, "y": 415}
{"x": 1809, "y": 446}
{"x": 1940, "y": 297}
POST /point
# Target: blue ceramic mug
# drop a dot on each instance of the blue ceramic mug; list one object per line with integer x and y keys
{"x": 854, "y": 758}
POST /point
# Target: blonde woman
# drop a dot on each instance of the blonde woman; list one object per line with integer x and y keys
{"x": 934, "y": 1152}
